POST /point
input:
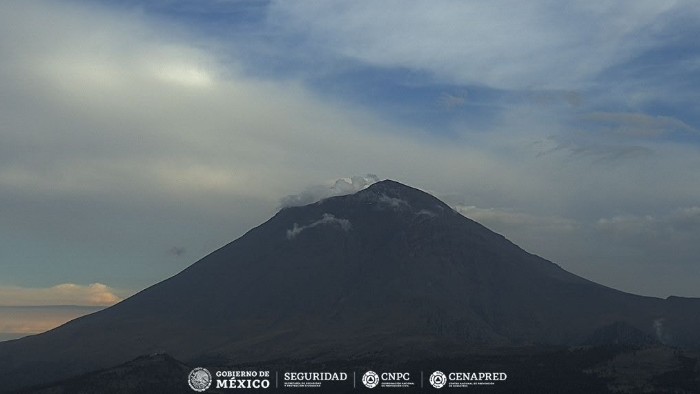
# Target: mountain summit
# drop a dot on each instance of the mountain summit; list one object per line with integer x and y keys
{"x": 389, "y": 271}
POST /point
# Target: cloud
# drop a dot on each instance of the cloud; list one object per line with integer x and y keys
{"x": 95, "y": 294}
{"x": 630, "y": 226}
{"x": 508, "y": 219}
{"x": 326, "y": 219}
{"x": 502, "y": 44}
{"x": 680, "y": 226}
{"x": 638, "y": 125}
{"x": 16, "y": 322}
{"x": 452, "y": 101}
{"x": 580, "y": 145}
{"x": 339, "y": 187}
{"x": 549, "y": 236}
{"x": 617, "y": 136}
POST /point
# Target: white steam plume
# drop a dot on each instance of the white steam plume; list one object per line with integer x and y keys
{"x": 340, "y": 187}
{"x": 326, "y": 219}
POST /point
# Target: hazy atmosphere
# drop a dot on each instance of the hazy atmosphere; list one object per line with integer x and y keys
{"x": 138, "y": 136}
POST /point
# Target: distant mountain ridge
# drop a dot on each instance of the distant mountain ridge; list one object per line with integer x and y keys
{"x": 389, "y": 271}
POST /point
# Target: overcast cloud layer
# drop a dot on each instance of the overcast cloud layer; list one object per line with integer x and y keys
{"x": 139, "y": 136}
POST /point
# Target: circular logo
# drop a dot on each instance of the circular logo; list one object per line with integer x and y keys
{"x": 199, "y": 379}
{"x": 438, "y": 379}
{"x": 370, "y": 379}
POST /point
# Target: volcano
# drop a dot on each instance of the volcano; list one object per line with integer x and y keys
{"x": 390, "y": 271}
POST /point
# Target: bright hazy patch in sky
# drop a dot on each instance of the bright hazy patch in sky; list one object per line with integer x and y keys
{"x": 95, "y": 294}
{"x": 16, "y": 322}
{"x": 26, "y": 311}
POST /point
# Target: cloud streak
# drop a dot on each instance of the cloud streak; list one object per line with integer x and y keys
{"x": 503, "y": 44}
{"x": 639, "y": 125}
{"x": 16, "y": 322}
{"x": 95, "y": 294}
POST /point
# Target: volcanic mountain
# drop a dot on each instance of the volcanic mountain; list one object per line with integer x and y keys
{"x": 389, "y": 271}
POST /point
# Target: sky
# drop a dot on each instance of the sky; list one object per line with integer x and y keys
{"x": 139, "y": 136}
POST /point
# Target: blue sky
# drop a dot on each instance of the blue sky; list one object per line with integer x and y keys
{"x": 139, "y": 136}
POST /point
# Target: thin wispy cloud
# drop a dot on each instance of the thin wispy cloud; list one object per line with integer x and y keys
{"x": 16, "y": 322}
{"x": 502, "y": 44}
{"x": 638, "y": 125}
{"x": 95, "y": 294}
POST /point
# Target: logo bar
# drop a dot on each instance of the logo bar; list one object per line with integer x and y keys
{"x": 200, "y": 379}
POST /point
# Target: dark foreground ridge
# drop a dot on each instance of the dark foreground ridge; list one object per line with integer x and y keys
{"x": 389, "y": 274}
